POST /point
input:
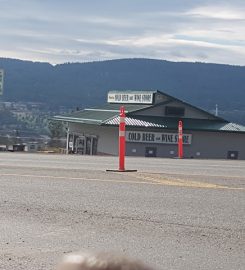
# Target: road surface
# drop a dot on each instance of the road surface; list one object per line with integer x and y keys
{"x": 172, "y": 214}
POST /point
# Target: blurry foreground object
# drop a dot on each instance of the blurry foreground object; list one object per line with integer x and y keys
{"x": 99, "y": 261}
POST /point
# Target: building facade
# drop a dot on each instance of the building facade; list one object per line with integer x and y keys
{"x": 152, "y": 128}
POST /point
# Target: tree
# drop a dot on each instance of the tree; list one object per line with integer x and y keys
{"x": 56, "y": 129}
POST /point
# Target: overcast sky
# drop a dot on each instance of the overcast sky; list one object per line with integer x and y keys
{"x": 59, "y": 31}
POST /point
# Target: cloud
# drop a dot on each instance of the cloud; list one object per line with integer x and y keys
{"x": 223, "y": 12}
{"x": 78, "y": 31}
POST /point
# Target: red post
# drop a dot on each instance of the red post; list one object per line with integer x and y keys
{"x": 122, "y": 140}
{"x": 180, "y": 141}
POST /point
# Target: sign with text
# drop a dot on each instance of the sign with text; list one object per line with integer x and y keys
{"x": 156, "y": 137}
{"x": 139, "y": 98}
{"x": 1, "y": 81}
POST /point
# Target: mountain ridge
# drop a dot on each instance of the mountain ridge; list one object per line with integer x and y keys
{"x": 86, "y": 84}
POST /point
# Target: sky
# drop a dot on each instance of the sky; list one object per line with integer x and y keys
{"x": 61, "y": 31}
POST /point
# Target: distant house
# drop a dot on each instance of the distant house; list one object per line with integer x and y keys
{"x": 32, "y": 147}
{"x": 151, "y": 128}
{"x": 3, "y": 147}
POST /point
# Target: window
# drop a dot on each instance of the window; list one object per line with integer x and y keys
{"x": 174, "y": 111}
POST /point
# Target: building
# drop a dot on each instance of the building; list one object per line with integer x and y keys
{"x": 151, "y": 128}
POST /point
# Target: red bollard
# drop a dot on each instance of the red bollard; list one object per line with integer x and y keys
{"x": 180, "y": 141}
{"x": 122, "y": 143}
{"x": 122, "y": 140}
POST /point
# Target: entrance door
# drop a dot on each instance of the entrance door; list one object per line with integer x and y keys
{"x": 86, "y": 145}
{"x": 80, "y": 143}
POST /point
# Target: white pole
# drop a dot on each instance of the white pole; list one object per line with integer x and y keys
{"x": 216, "y": 110}
{"x": 67, "y": 140}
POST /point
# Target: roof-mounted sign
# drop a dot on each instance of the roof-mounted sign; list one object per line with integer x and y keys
{"x": 132, "y": 97}
{"x": 1, "y": 81}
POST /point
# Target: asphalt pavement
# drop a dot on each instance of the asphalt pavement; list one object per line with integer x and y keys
{"x": 171, "y": 213}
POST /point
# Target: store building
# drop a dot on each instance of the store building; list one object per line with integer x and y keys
{"x": 151, "y": 128}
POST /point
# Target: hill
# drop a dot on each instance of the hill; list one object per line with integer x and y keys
{"x": 86, "y": 84}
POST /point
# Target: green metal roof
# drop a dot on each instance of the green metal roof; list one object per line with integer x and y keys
{"x": 128, "y": 107}
{"x": 109, "y": 116}
{"x": 98, "y": 115}
{"x": 86, "y": 117}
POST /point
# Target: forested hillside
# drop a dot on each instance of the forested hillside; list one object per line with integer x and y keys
{"x": 86, "y": 84}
